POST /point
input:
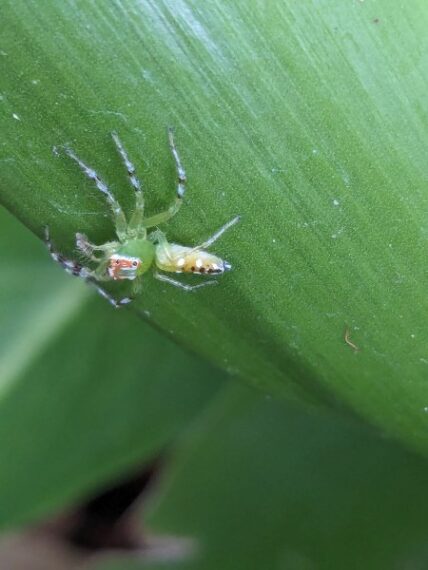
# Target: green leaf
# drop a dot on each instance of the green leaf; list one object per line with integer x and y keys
{"x": 263, "y": 485}
{"x": 86, "y": 393}
{"x": 307, "y": 118}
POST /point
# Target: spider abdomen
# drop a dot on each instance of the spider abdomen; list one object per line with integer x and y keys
{"x": 180, "y": 259}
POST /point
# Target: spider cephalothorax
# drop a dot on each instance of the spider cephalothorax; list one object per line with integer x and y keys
{"x": 123, "y": 266}
{"x": 136, "y": 251}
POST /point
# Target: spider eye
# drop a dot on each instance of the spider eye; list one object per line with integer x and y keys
{"x": 117, "y": 261}
{"x": 135, "y": 263}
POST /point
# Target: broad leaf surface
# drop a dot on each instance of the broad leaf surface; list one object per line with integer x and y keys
{"x": 307, "y": 118}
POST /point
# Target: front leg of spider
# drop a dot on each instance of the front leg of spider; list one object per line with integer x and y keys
{"x": 74, "y": 268}
{"x": 132, "y": 255}
{"x": 110, "y": 265}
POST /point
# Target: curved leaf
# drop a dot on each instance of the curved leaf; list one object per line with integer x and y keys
{"x": 307, "y": 118}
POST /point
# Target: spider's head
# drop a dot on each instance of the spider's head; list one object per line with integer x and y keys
{"x": 123, "y": 267}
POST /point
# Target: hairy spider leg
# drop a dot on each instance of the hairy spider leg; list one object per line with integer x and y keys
{"x": 78, "y": 270}
{"x": 118, "y": 215}
{"x": 135, "y": 226}
{"x": 181, "y": 188}
{"x": 179, "y": 284}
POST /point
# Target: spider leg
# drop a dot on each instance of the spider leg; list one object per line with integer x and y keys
{"x": 136, "y": 221}
{"x": 118, "y": 215}
{"x": 70, "y": 266}
{"x": 78, "y": 270}
{"x": 181, "y": 173}
{"x": 137, "y": 286}
{"x": 179, "y": 284}
{"x": 206, "y": 244}
{"x": 114, "y": 302}
{"x": 181, "y": 188}
{"x": 88, "y": 248}
{"x": 158, "y": 236}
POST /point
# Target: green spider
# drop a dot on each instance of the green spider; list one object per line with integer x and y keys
{"x": 136, "y": 251}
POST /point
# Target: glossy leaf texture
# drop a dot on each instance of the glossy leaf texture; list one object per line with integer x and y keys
{"x": 86, "y": 393}
{"x": 307, "y": 118}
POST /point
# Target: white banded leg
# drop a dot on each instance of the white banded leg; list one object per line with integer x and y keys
{"x": 77, "y": 270}
{"x": 206, "y": 244}
{"x": 116, "y": 304}
{"x": 181, "y": 173}
{"x": 136, "y": 220}
{"x": 181, "y": 188}
{"x": 179, "y": 284}
{"x": 118, "y": 215}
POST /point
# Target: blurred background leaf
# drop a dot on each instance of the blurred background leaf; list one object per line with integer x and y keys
{"x": 264, "y": 485}
{"x": 307, "y": 118}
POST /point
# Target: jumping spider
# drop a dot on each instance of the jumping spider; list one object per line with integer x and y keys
{"x": 136, "y": 250}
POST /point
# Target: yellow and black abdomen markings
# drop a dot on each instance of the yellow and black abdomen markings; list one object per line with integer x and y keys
{"x": 180, "y": 259}
{"x": 201, "y": 263}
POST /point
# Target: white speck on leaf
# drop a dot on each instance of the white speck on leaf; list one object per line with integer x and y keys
{"x": 16, "y": 117}
{"x": 148, "y": 76}
{"x": 346, "y": 179}
{"x": 275, "y": 170}
{"x": 337, "y": 234}
{"x": 336, "y": 202}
